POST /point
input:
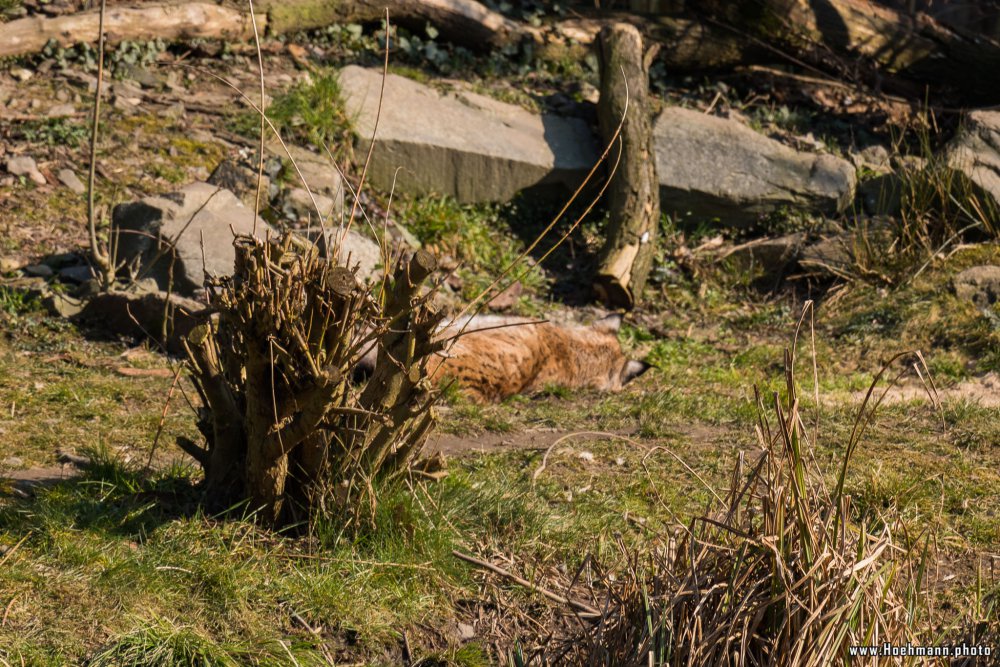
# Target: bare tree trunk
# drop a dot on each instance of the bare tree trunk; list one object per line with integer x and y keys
{"x": 633, "y": 197}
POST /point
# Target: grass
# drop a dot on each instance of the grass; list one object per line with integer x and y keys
{"x": 311, "y": 112}
{"x": 123, "y": 566}
{"x": 478, "y": 237}
{"x": 52, "y": 132}
{"x": 761, "y": 579}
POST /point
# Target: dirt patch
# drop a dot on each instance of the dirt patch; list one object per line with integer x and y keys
{"x": 449, "y": 444}
{"x": 24, "y": 482}
{"x": 984, "y": 390}
{"x": 541, "y": 439}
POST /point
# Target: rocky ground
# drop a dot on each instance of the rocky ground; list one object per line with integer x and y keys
{"x": 776, "y": 192}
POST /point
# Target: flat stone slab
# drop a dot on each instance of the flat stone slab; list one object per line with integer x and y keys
{"x": 711, "y": 167}
{"x": 461, "y": 144}
{"x": 180, "y": 238}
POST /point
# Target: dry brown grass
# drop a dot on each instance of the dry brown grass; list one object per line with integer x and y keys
{"x": 783, "y": 571}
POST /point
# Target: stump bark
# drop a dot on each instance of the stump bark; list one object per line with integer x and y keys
{"x": 283, "y": 427}
{"x": 633, "y": 195}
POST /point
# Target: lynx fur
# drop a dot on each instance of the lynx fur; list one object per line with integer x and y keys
{"x": 497, "y": 357}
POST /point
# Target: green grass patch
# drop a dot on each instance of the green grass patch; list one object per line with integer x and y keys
{"x": 476, "y": 236}
{"x": 53, "y": 132}
{"x": 311, "y": 112}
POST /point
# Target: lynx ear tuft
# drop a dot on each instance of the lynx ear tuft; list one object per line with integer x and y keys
{"x": 610, "y": 324}
{"x": 633, "y": 369}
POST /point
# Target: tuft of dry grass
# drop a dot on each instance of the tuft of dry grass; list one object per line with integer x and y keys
{"x": 781, "y": 572}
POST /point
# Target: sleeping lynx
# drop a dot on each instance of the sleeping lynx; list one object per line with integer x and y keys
{"x": 491, "y": 363}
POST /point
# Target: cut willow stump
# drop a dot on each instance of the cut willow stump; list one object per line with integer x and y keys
{"x": 633, "y": 196}
{"x": 284, "y": 429}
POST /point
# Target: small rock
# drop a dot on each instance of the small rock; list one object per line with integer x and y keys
{"x": 831, "y": 256}
{"x": 61, "y": 111}
{"x": 980, "y": 285}
{"x": 62, "y": 305}
{"x": 62, "y": 259}
{"x": 12, "y": 462}
{"x": 317, "y": 171}
{"x": 141, "y": 76}
{"x": 69, "y": 178}
{"x": 834, "y": 255}
{"x": 586, "y": 456}
{"x": 874, "y": 157}
{"x": 507, "y": 298}
{"x": 241, "y": 181}
{"x": 128, "y": 91}
{"x": 466, "y": 632}
{"x": 298, "y": 205}
{"x": 355, "y": 250}
{"x": 23, "y": 165}
{"x": 21, "y": 74}
{"x": 72, "y": 458}
{"x": 38, "y": 270}
{"x": 975, "y": 153}
{"x": 909, "y": 163}
{"x": 9, "y": 264}
{"x": 140, "y": 312}
{"x": 769, "y": 255}
{"x": 175, "y": 111}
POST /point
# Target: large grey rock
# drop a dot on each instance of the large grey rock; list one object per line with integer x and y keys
{"x": 980, "y": 285}
{"x": 716, "y": 168}
{"x": 318, "y": 172}
{"x": 975, "y": 151}
{"x": 190, "y": 230}
{"x": 461, "y": 144}
{"x": 356, "y": 251}
{"x": 298, "y": 205}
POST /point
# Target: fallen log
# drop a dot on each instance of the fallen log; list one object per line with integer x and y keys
{"x": 861, "y": 41}
{"x": 146, "y": 22}
{"x": 634, "y": 195}
{"x": 872, "y": 44}
{"x": 464, "y": 22}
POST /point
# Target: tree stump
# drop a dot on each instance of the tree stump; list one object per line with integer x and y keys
{"x": 633, "y": 195}
{"x": 283, "y": 427}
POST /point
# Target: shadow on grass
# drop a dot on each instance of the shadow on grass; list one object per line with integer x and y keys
{"x": 110, "y": 496}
